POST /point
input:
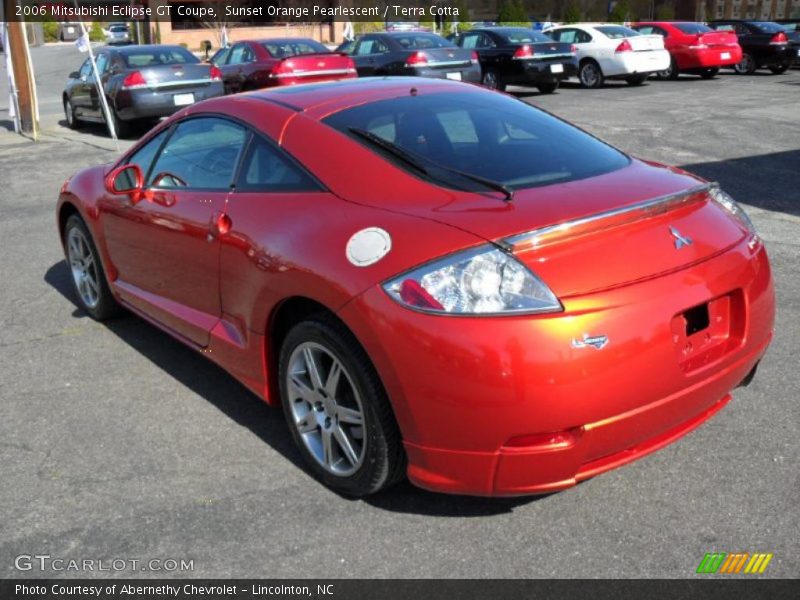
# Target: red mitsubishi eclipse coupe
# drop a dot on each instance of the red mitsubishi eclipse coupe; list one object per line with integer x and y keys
{"x": 431, "y": 279}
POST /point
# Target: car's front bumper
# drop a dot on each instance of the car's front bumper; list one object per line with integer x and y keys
{"x": 463, "y": 387}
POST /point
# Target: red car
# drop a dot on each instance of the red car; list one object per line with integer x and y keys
{"x": 253, "y": 64}
{"x": 430, "y": 278}
{"x": 694, "y": 47}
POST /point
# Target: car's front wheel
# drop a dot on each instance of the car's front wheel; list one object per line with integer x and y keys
{"x": 492, "y": 80}
{"x": 69, "y": 114}
{"x": 590, "y": 75}
{"x": 747, "y": 66}
{"x": 337, "y": 410}
{"x": 88, "y": 277}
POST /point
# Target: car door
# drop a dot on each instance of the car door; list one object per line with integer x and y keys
{"x": 103, "y": 62}
{"x": 237, "y": 68}
{"x": 79, "y": 90}
{"x": 369, "y": 55}
{"x": 165, "y": 248}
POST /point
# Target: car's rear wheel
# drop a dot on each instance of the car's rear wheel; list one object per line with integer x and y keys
{"x": 69, "y": 114}
{"x": 88, "y": 278}
{"x": 636, "y": 79}
{"x": 747, "y": 66}
{"x": 492, "y": 80}
{"x": 337, "y": 410}
{"x": 548, "y": 87}
{"x": 778, "y": 69}
{"x": 590, "y": 75}
{"x": 709, "y": 73}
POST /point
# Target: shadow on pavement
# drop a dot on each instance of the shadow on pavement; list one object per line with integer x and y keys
{"x": 767, "y": 181}
{"x": 234, "y": 400}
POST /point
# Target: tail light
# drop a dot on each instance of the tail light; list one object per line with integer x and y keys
{"x": 523, "y": 52}
{"x": 418, "y": 58}
{"x": 474, "y": 58}
{"x": 779, "y": 39}
{"x": 134, "y": 80}
{"x": 283, "y": 69}
{"x": 216, "y": 74}
{"x": 625, "y": 46}
{"x": 699, "y": 43}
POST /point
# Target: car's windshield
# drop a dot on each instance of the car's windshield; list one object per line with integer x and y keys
{"x": 524, "y": 36}
{"x": 118, "y": 28}
{"x": 616, "y": 32}
{"x": 283, "y": 49}
{"x": 486, "y": 135}
{"x": 419, "y": 41}
{"x": 692, "y": 28}
{"x": 152, "y": 57}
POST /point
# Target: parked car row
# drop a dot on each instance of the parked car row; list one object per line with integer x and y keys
{"x": 150, "y": 82}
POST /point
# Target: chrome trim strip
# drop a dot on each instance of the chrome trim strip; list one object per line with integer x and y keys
{"x": 445, "y": 63}
{"x": 545, "y": 56}
{"x": 313, "y": 73}
{"x": 163, "y": 84}
{"x": 533, "y": 239}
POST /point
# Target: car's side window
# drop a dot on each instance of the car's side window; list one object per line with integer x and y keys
{"x": 240, "y": 54}
{"x": 470, "y": 40}
{"x": 568, "y": 36}
{"x": 86, "y": 69}
{"x": 266, "y": 168}
{"x": 102, "y": 62}
{"x": 220, "y": 57}
{"x": 370, "y": 46}
{"x": 645, "y": 29}
{"x": 202, "y": 153}
{"x": 486, "y": 42}
{"x": 582, "y": 37}
{"x": 144, "y": 156}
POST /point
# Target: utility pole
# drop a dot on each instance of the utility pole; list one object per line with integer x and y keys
{"x": 17, "y": 46}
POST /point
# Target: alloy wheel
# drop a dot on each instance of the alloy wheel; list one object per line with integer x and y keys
{"x": 326, "y": 409}
{"x": 68, "y": 112}
{"x": 490, "y": 80}
{"x": 83, "y": 267}
{"x": 590, "y": 75}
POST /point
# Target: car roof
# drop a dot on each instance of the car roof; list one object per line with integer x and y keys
{"x": 134, "y": 49}
{"x": 286, "y": 40}
{"x": 340, "y": 95}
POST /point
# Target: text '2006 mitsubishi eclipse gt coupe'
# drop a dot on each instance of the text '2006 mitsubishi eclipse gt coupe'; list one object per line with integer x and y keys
{"x": 447, "y": 283}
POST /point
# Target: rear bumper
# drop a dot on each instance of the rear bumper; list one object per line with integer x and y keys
{"x": 531, "y": 72}
{"x": 637, "y": 63}
{"x": 776, "y": 56}
{"x": 144, "y": 103}
{"x": 470, "y": 74}
{"x": 462, "y": 388}
{"x": 710, "y": 58}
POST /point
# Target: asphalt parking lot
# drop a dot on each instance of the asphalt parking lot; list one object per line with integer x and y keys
{"x": 118, "y": 442}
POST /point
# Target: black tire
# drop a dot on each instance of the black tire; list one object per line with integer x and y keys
{"x": 69, "y": 114}
{"x": 384, "y": 462}
{"x": 747, "y": 66}
{"x": 548, "y": 88}
{"x": 779, "y": 69}
{"x": 709, "y": 73}
{"x": 491, "y": 79}
{"x": 672, "y": 73}
{"x": 106, "y": 306}
{"x": 636, "y": 79}
{"x": 590, "y": 74}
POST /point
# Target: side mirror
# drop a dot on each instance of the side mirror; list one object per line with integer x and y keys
{"x": 74, "y": 75}
{"x": 126, "y": 179}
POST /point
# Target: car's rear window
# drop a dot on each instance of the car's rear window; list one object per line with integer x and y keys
{"x": 293, "y": 48}
{"x": 524, "y": 36}
{"x": 420, "y": 41}
{"x": 487, "y": 135}
{"x": 769, "y": 27}
{"x": 692, "y": 28}
{"x": 149, "y": 57}
{"x": 118, "y": 28}
{"x": 616, "y": 32}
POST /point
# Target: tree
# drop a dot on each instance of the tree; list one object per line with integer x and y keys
{"x": 572, "y": 14}
{"x": 621, "y": 12}
{"x": 665, "y": 12}
{"x": 512, "y": 12}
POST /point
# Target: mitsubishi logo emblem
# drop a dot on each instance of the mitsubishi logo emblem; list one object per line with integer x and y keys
{"x": 680, "y": 240}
